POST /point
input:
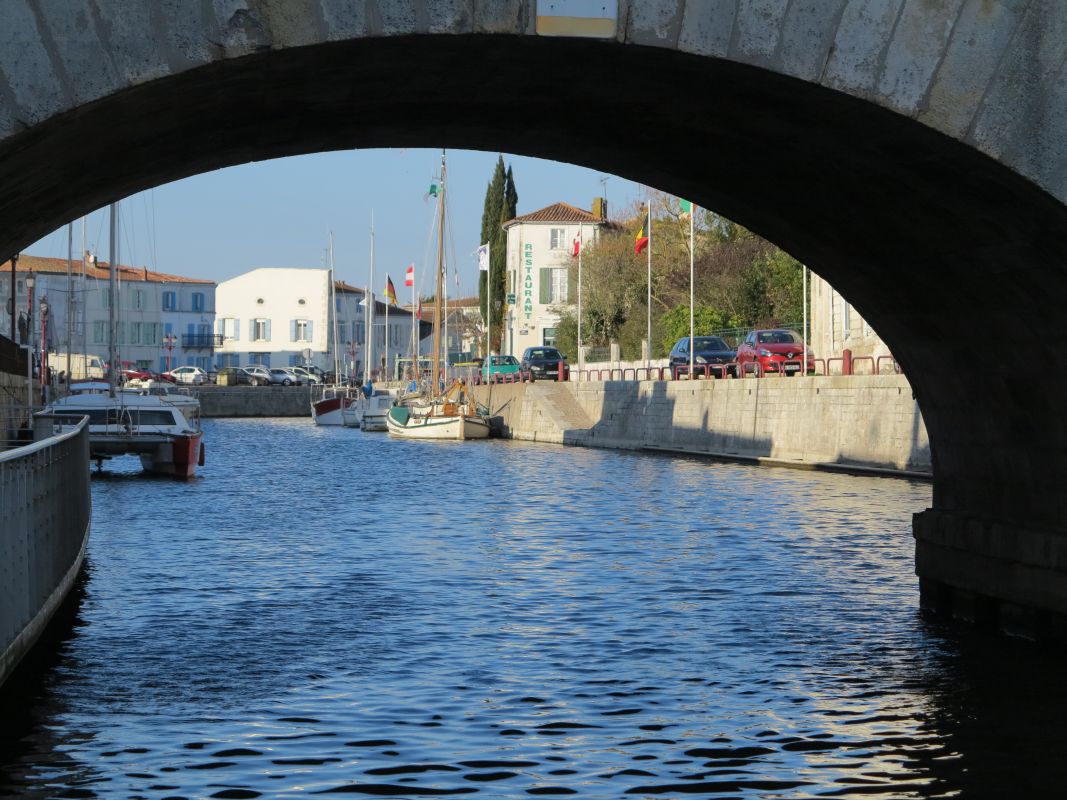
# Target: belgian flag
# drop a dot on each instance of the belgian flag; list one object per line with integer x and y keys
{"x": 644, "y": 234}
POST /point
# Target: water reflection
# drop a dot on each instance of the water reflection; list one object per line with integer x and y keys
{"x": 327, "y": 611}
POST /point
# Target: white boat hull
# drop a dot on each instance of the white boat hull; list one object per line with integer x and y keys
{"x": 456, "y": 427}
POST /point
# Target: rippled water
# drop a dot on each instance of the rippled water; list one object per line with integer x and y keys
{"x": 326, "y": 611}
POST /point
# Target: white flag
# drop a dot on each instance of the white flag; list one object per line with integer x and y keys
{"x": 483, "y": 257}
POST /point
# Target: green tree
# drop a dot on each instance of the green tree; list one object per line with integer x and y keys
{"x": 501, "y": 203}
{"x": 674, "y": 324}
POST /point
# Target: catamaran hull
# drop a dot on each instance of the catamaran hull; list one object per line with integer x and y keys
{"x": 178, "y": 458}
{"x": 454, "y": 428}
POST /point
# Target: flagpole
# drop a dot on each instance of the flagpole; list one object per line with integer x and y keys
{"x": 805, "y": 367}
{"x": 648, "y": 345}
{"x": 581, "y": 355}
{"x": 692, "y": 214}
{"x": 387, "y": 301}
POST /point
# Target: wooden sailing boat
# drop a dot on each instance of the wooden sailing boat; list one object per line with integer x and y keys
{"x": 445, "y": 412}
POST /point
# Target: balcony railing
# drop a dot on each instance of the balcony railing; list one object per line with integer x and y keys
{"x": 205, "y": 341}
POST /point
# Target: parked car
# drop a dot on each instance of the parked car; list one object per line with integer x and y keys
{"x": 498, "y": 366}
{"x": 135, "y": 374}
{"x": 190, "y": 375}
{"x": 542, "y": 363}
{"x": 259, "y": 374}
{"x": 285, "y": 377}
{"x": 707, "y": 350}
{"x": 306, "y": 375}
{"x": 234, "y": 376}
{"x": 773, "y": 350}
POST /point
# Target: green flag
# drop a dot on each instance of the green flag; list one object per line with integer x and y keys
{"x": 686, "y": 207}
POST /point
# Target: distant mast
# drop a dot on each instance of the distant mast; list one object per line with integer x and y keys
{"x": 436, "y": 374}
{"x": 111, "y": 353}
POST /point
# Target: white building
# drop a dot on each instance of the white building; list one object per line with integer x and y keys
{"x": 281, "y": 316}
{"x": 540, "y": 257}
{"x": 836, "y": 326}
{"x": 151, "y": 306}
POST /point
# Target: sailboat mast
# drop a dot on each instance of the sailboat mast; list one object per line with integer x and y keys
{"x": 440, "y": 283}
{"x": 111, "y": 354}
{"x": 332, "y": 294}
{"x": 368, "y": 301}
{"x": 70, "y": 292}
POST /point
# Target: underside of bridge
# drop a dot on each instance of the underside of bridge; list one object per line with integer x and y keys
{"x": 956, "y": 261}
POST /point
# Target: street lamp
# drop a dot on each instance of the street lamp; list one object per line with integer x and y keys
{"x": 43, "y": 308}
{"x": 29, "y": 344}
{"x": 11, "y": 300}
{"x": 168, "y": 342}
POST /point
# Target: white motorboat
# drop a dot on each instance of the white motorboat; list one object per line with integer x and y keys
{"x": 165, "y": 436}
{"x": 369, "y": 413}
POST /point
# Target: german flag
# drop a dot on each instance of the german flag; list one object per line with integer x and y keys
{"x": 390, "y": 290}
{"x": 644, "y": 234}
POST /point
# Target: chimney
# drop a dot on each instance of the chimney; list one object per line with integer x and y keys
{"x": 600, "y": 208}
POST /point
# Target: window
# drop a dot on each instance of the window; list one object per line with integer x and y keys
{"x": 99, "y": 331}
{"x": 137, "y": 299}
{"x": 150, "y": 334}
{"x": 296, "y": 360}
{"x": 300, "y": 330}
{"x": 135, "y": 332}
{"x": 549, "y": 338}
{"x": 259, "y": 330}
{"x": 558, "y": 291}
{"x": 558, "y": 238}
{"x": 105, "y": 297}
{"x": 170, "y": 301}
{"x": 262, "y": 359}
{"x": 846, "y": 318}
{"x": 198, "y": 301}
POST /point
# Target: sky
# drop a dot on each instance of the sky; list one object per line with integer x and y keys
{"x": 280, "y": 213}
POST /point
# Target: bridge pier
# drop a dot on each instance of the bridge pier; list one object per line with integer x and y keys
{"x": 996, "y": 575}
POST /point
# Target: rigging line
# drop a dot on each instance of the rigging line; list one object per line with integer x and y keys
{"x": 426, "y": 251}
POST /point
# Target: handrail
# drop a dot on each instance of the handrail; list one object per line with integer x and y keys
{"x": 857, "y": 359}
{"x": 30, "y": 449}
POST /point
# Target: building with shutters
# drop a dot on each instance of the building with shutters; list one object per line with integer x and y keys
{"x": 540, "y": 257}
{"x": 160, "y": 319}
{"x": 283, "y": 316}
{"x": 836, "y": 326}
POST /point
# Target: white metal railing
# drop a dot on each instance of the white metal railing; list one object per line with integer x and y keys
{"x": 45, "y": 509}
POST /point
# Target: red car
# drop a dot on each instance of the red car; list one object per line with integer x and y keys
{"x": 774, "y": 350}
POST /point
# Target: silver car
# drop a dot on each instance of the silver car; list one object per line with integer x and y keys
{"x": 259, "y": 374}
{"x": 285, "y": 377}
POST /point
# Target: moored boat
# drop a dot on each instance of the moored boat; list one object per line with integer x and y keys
{"x": 166, "y": 437}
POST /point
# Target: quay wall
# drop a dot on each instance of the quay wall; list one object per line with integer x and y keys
{"x": 254, "y": 401}
{"x": 853, "y": 423}
{"x": 12, "y": 407}
{"x": 45, "y": 510}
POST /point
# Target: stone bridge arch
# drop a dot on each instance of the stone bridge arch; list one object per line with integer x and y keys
{"x": 911, "y": 152}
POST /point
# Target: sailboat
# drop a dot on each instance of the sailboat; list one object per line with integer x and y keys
{"x": 443, "y": 412}
{"x": 328, "y": 408}
{"x": 369, "y": 407}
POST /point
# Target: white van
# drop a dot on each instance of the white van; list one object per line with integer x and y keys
{"x": 82, "y": 366}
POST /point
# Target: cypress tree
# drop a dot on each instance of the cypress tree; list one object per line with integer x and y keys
{"x": 494, "y": 199}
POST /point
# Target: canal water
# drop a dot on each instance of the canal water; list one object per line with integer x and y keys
{"x": 327, "y": 612}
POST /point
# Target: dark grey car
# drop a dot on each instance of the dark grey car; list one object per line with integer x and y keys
{"x": 712, "y": 356}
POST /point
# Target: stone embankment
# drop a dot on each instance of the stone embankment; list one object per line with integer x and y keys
{"x": 255, "y": 401}
{"x": 853, "y": 423}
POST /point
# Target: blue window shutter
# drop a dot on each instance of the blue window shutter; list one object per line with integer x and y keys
{"x": 268, "y": 330}
{"x": 237, "y": 330}
{"x": 251, "y": 330}
{"x": 292, "y": 330}
{"x": 310, "y": 336}
{"x": 190, "y": 329}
